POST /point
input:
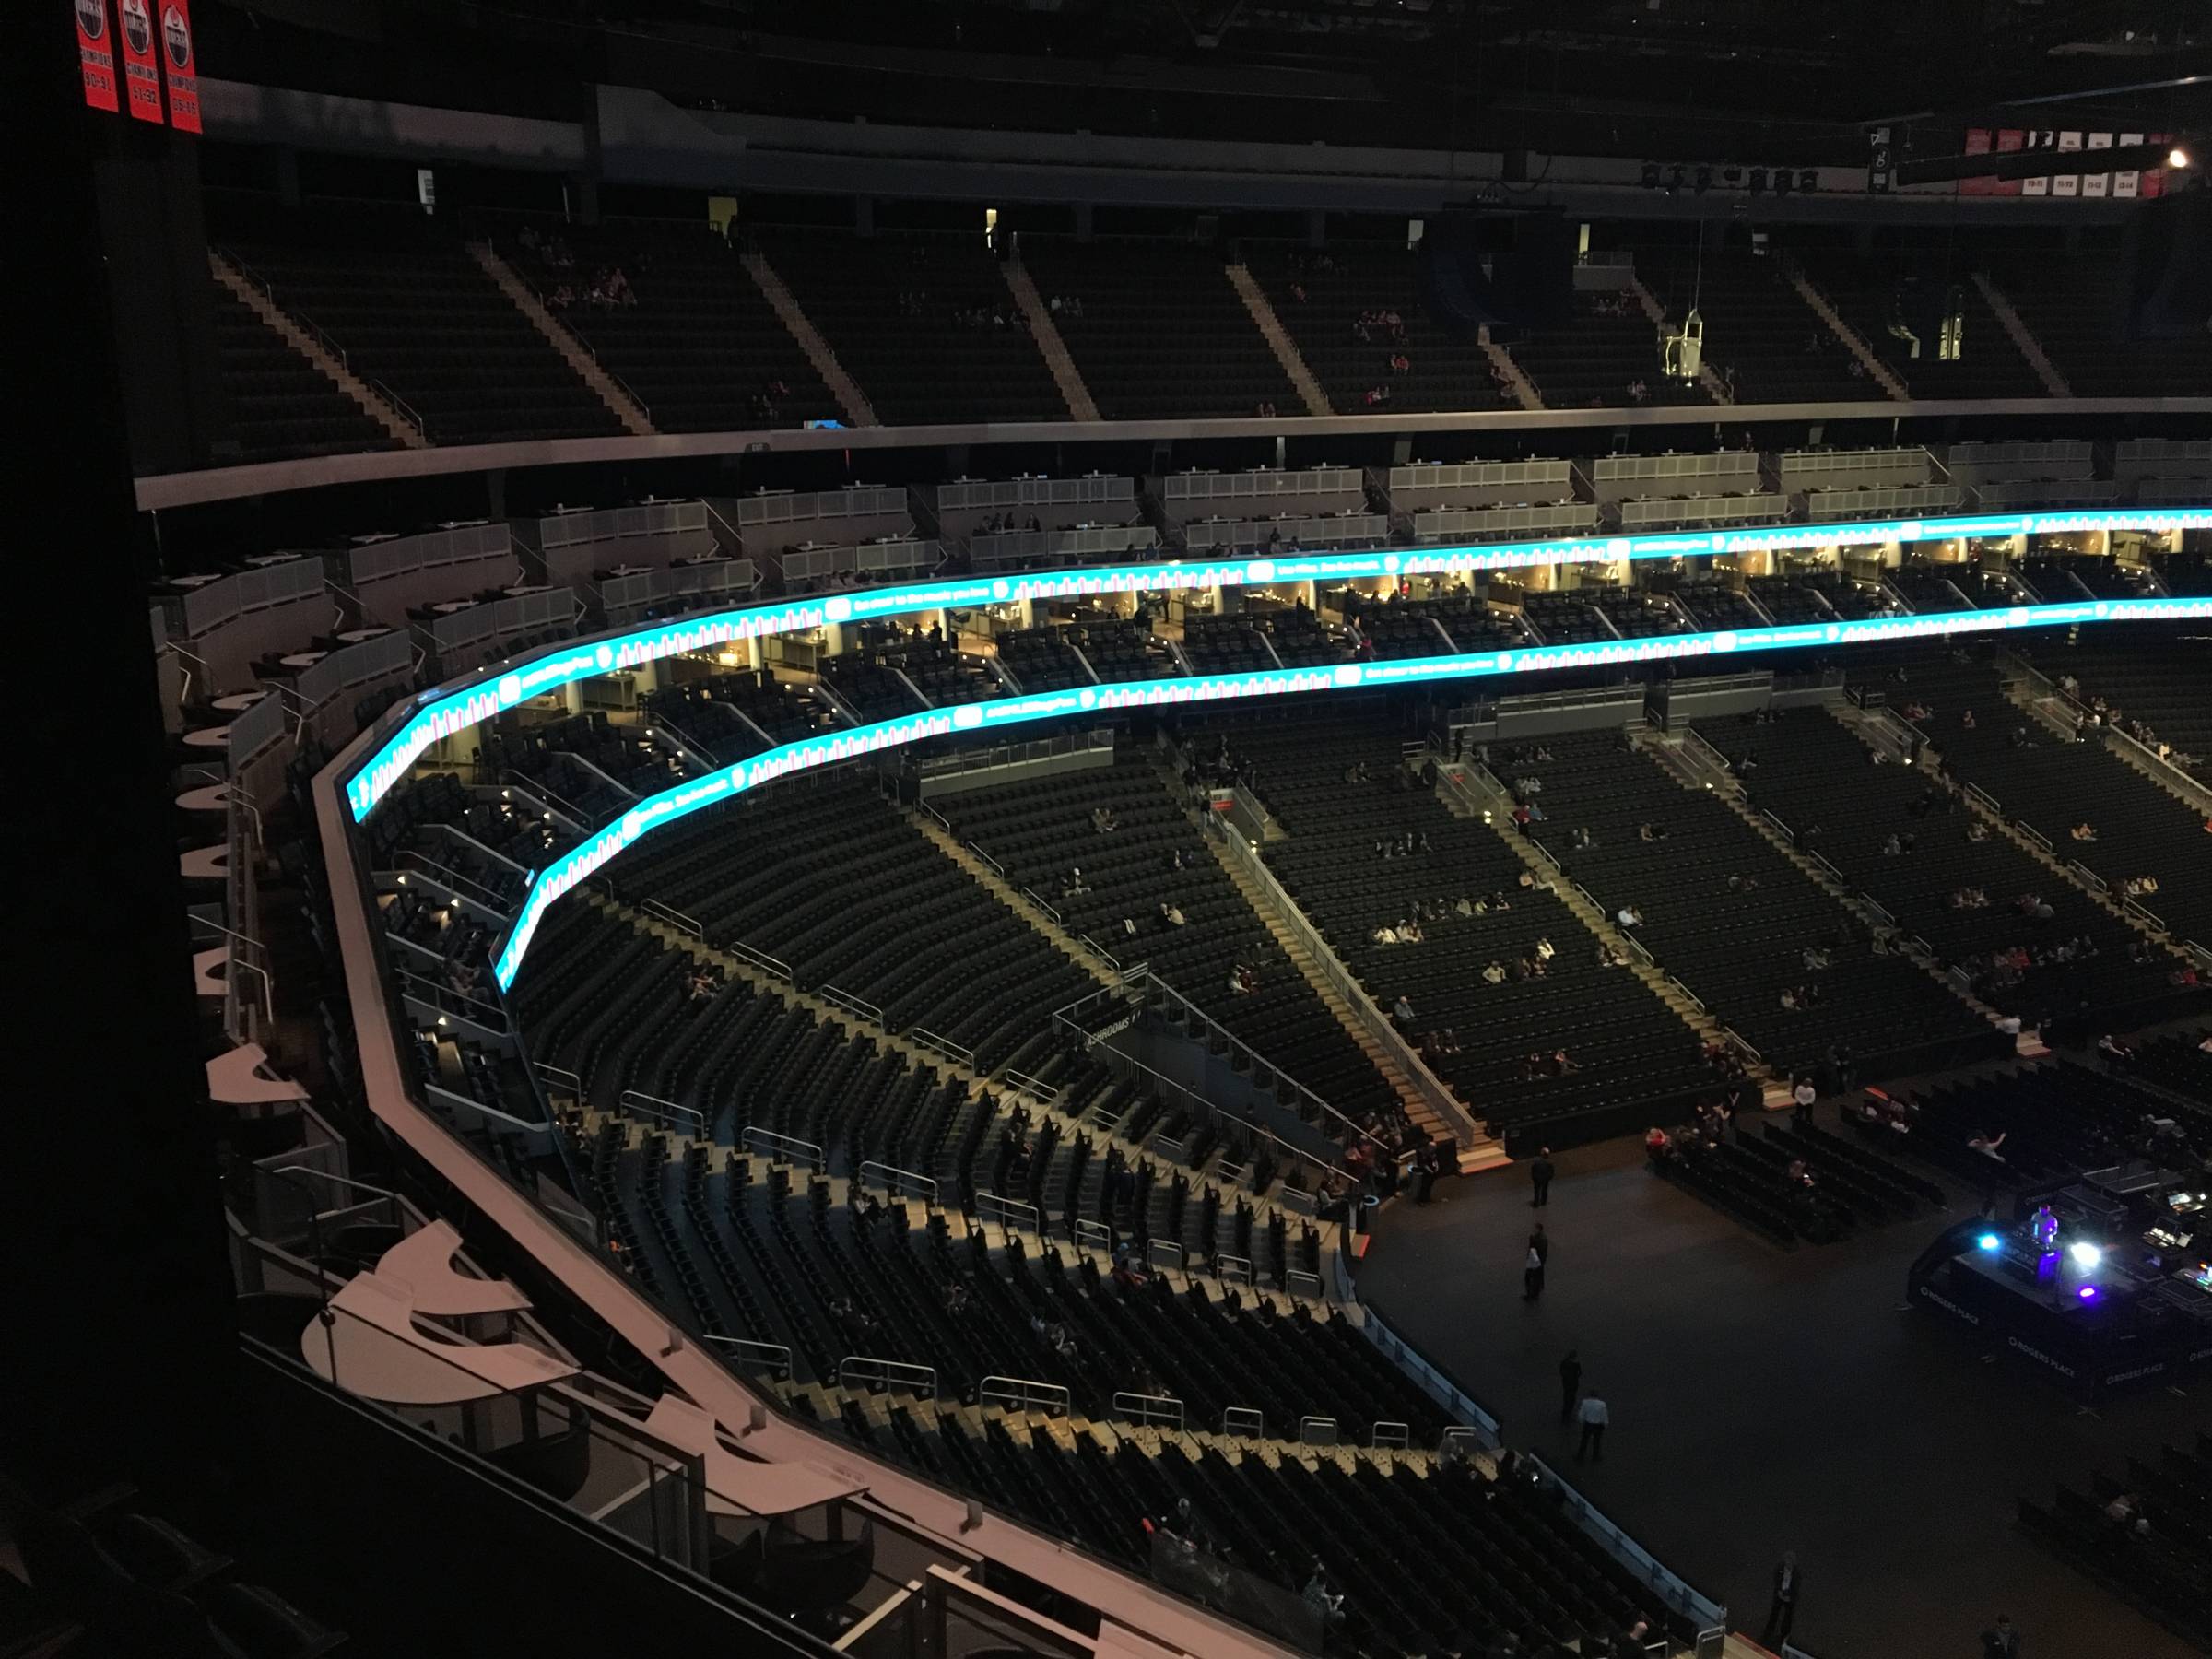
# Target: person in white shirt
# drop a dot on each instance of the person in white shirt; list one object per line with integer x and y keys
{"x": 1545, "y": 949}
{"x": 1532, "y": 1274}
{"x": 1628, "y": 915}
{"x": 1593, "y": 1417}
{"x": 1493, "y": 975}
{"x": 1803, "y": 1096}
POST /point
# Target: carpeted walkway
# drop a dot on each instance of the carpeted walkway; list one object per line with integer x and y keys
{"x": 1765, "y": 1400}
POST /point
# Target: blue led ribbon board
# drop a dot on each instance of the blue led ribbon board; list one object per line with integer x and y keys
{"x": 597, "y": 851}
{"x": 442, "y": 715}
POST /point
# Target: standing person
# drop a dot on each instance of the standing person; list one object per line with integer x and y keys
{"x": 2001, "y": 1641}
{"x": 1783, "y": 1610}
{"x": 1571, "y": 1383}
{"x": 1594, "y": 1415}
{"x": 1802, "y": 1098}
{"x": 1540, "y": 1242}
{"x": 1539, "y": 1174}
{"x": 1532, "y": 1276}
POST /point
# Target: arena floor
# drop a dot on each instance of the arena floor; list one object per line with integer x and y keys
{"x": 1765, "y": 1400}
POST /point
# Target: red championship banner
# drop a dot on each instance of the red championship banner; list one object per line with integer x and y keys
{"x": 141, "y": 77}
{"x": 96, "y": 53}
{"x": 180, "y": 65}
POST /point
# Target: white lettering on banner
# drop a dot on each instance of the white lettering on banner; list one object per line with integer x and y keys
{"x": 2129, "y": 1376}
{"x": 443, "y": 717}
{"x": 2035, "y": 1353}
{"x": 1948, "y": 1305}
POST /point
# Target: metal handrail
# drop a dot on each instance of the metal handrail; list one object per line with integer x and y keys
{"x": 1243, "y": 1419}
{"x": 1315, "y": 1431}
{"x": 895, "y": 1180}
{"x": 923, "y": 1037}
{"x": 990, "y": 1207}
{"x": 1148, "y": 1409}
{"x": 775, "y": 966}
{"x": 851, "y": 1003}
{"x": 669, "y": 1111}
{"x": 784, "y": 1148}
{"x": 774, "y": 1355}
{"x": 674, "y": 917}
{"x": 887, "y": 1374}
{"x": 1024, "y": 1394}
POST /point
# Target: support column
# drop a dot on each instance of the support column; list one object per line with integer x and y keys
{"x": 116, "y": 1242}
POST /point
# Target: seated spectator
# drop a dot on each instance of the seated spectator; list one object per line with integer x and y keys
{"x": 1651, "y": 832}
{"x": 1401, "y": 1011}
{"x": 1170, "y": 915}
{"x": 1657, "y": 1144}
{"x": 1628, "y": 915}
{"x": 2083, "y": 831}
{"x": 1986, "y": 1145}
{"x": 1493, "y": 975}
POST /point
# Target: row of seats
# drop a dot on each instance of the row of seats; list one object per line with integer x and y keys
{"x": 1814, "y": 775}
{"x": 415, "y": 312}
{"x": 1043, "y": 832}
{"x": 925, "y": 324}
{"x": 2054, "y": 785}
{"x": 828, "y": 877}
{"x": 699, "y": 345}
{"x": 1321, "y": 299}
{"x": 280, "y": 405}
{"x": 1626, "y": 1044}
{"x": 2157, "y": 1548}
{"x": 735, "y": 714}
{"x": 1733, "y": 919}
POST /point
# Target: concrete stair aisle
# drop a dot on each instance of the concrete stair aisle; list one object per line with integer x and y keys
{"x": 562, "y": 338}
{"x": 1046, "y": 332}
{"x": 994, "y": 883}
{"x": 1278, "y": 339}
{"x": 1877, "y": 371}
{"x": 333, "y": 368}
{"x": 1485, "y": 1153}
{"x": 1649, "y": 304}
{"x": 1600, "y": 926}
{"x": 845, "y": 1020}
{"x": 1502, "y": 360}
{"x": 785, "y": 304}
{"x": 2023, "y": 337}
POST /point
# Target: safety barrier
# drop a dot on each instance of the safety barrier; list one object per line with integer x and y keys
{"x": 784, "y": 1148}
{"x": 943, "y": 1046}
{"x": 684, "y": 1120}
{"x": 1317, "y": 1431}
{"x": 1011, "y": 1214}
{"x": 560, "y": 1076}
{"x": 774, "y": 967}
{"x": 1975, "y": 793}
{"x": 1233, "y": 1268}
{"x": 1701, "y": 1611}
{"x": 1390, "y": 1434}
{"x": 1151, "y": 1411}
{"x": 2145, "y": 914}
{"x": 1024, "y": 1394}
{"x": 1163, "y": 1253}
{"x": 2086, "y": 876}
{"x": 1471, "y": 1418}
{"x": 1245, "y": 1420}
{"x": 904, "y": 1183}
{"x": 674, "y": 917}
{"x": 859, "y": 1005}
{"x": 1298, "y": 1282}
{"x": 771, "y": 1356}
{"x": 2032, "y": 834}
{"x": 1036, "y": 1087}
{"x": 882, "y": 1375}
{"x": 1093, "y": 1235}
